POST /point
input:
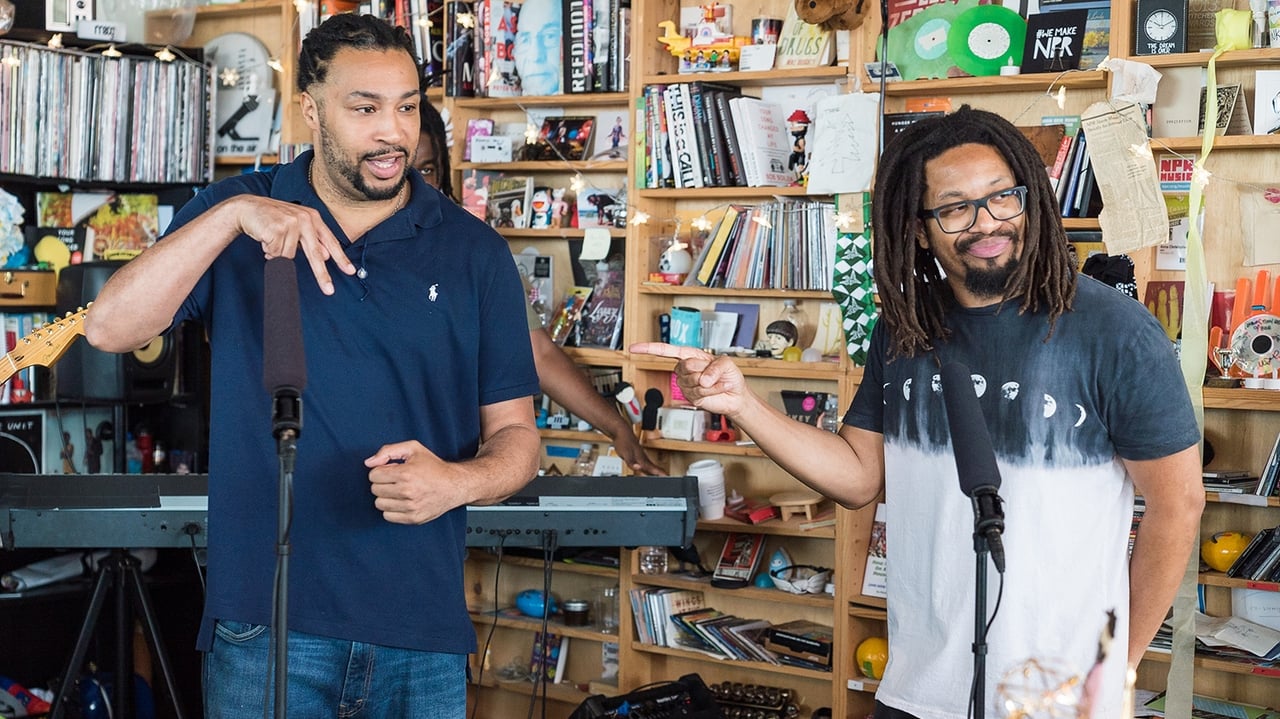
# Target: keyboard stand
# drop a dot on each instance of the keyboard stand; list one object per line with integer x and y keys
{"x": 121, "y": 571}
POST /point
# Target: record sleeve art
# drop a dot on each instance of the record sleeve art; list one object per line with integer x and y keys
{"x": 986, "y": 38}
{"x": 245, "y": 109}
{"x": 1256, "y": 342}
{"x": 918, "y": 45}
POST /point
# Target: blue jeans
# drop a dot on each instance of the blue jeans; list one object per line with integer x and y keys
{"x": 329, "y": 678}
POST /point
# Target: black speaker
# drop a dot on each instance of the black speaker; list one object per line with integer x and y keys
{"x": 148, "y": 374}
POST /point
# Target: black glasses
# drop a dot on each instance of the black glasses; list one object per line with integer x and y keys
{"x": 958, "y": 217}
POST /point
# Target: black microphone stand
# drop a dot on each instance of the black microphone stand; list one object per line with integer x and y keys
{"x": 988, "y": 524}
{"x": 286, "y": 426}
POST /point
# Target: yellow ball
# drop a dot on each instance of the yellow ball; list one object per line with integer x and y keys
{"x": 872, "y": 654}
{"x": 792, "y": 354}
{"x": 1222, "y": 549}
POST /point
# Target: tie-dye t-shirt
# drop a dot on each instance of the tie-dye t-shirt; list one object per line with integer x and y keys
{"x": 1061, "y": 414}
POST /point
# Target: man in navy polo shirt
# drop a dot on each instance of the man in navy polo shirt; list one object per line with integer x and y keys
{"x": 418, "y": 401}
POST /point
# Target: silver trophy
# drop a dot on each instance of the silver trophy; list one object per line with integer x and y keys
{"x": 1226, "y": 359}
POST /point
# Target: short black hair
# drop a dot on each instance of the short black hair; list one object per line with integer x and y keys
{"x": 360, "y": 32}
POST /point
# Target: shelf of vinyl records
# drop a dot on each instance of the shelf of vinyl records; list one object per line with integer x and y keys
{"x": 61, "y": 87}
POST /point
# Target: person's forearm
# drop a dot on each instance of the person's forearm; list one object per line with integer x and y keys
{"x": 567, "y": 385}
{"x": 141, "y": 298}
{"x": 1166, "y": 538}
{"x": 826, "y": 462}
{"x": 507, "y": 461}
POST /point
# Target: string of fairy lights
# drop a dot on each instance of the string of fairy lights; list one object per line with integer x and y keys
{"x": 844, "y": 220}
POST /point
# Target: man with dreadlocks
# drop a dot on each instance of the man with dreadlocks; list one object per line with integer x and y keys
{"x": 1084, "y": 402}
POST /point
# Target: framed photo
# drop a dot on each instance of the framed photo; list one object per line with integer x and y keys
{"x": 563, "y": 138}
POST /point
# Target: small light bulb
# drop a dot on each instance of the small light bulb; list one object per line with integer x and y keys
{"x": 639, "y": 217}
{"x": 164, "y": 54}
{"x": 111, "y": 51}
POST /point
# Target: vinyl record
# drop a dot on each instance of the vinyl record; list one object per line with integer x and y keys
{"x": 986, "y": 38}
{"x": 1256, "y": 342}
{"x": 918, "y": 45}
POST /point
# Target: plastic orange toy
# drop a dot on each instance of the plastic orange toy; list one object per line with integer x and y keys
{"x": 1222, "y": 549}
{"x": 871, "y": 655}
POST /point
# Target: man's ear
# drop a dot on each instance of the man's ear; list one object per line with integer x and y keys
{"x": 310, "y": 111}
{"x": 922, "y": 236}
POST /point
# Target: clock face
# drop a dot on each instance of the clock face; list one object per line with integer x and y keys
{"x": 1161, "y": 25}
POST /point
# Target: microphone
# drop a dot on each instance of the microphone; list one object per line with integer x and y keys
{"x": 652, "y": 402}
{"x": 284, "y": 366}
{"x": 975, "y": 457}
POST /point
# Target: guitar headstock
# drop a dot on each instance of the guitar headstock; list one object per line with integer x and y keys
{"x": 47, "y": 343}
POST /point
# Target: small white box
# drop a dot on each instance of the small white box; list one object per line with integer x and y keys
{"x": 682, "y": 423}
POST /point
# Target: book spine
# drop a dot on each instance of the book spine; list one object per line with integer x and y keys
{"x": 575, "y": 48}
{"x": 681, "y": 138}
{"x": 732, "y": 148}
{"x": 698, "y": 111}
{"x": 1059, "y": 163}
{"x": 716, "y": 140}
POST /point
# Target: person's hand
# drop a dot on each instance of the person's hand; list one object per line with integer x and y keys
{"x": 629, "y": 449}
{"x": 411, "y": 484}
{"x": 282, "y": 228}
{"x": 709, "y": 382}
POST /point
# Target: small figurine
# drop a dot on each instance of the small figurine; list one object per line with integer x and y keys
{"x": 616, "y": 135}
{"x": 779, "y": 335}
{"x": 798, "y": 124}
{"x": 558, "y": 207}
{"x": 540, "y": 207}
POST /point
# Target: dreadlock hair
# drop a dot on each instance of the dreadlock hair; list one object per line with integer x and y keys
{"x": 913, "y": 292}
{"x": 433, "y": 126}
{"x": 360, "y": 32}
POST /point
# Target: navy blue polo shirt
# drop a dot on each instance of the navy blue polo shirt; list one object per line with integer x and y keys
{"x": 434, "y": 331}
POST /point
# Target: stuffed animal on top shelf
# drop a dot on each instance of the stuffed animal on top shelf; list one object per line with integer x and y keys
{"x": 834, "y": 14}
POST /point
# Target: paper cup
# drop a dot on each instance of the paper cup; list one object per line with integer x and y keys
{"x": 710, "y": 474}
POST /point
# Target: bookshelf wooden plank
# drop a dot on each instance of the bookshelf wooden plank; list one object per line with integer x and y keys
{"x": 790, "y": 76}
{"x": 754, "y": 666}
{"x": 665, "y": 289}
{"x": 1264, "y": 400}
{"x": 554, "y": 233}
{"x": 549, "y": 166}
{"x": 725, "y": 193}
{"x": 533, "y": 624}
{"x": 523, "y": 101}
{"x": 758, "y": 593}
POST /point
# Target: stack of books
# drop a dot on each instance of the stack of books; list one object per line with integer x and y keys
{"x": 1230, "y": 481}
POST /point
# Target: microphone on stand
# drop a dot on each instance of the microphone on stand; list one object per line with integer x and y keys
{"x": 284, "y": 366}
{"x": 284, "y": 374}
{"x": 975, "y": 457}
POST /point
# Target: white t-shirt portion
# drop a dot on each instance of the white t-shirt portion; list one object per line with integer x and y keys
{"x": 1061, "y": 414}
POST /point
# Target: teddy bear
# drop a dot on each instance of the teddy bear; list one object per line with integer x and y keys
{"x": 833, "y": 14}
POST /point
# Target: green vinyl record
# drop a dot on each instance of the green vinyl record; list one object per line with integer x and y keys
{"x": 918, "y": 45}
{"x": 986, "y": 38}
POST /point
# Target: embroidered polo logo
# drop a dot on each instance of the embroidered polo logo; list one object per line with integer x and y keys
{"x": 431, "y": 292}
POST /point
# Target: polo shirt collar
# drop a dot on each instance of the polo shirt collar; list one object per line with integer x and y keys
{"x": 422, "y": 211}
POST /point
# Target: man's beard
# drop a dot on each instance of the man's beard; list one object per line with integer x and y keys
{"x": 351, "y": 171}
{"x": 989, "y": 282}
